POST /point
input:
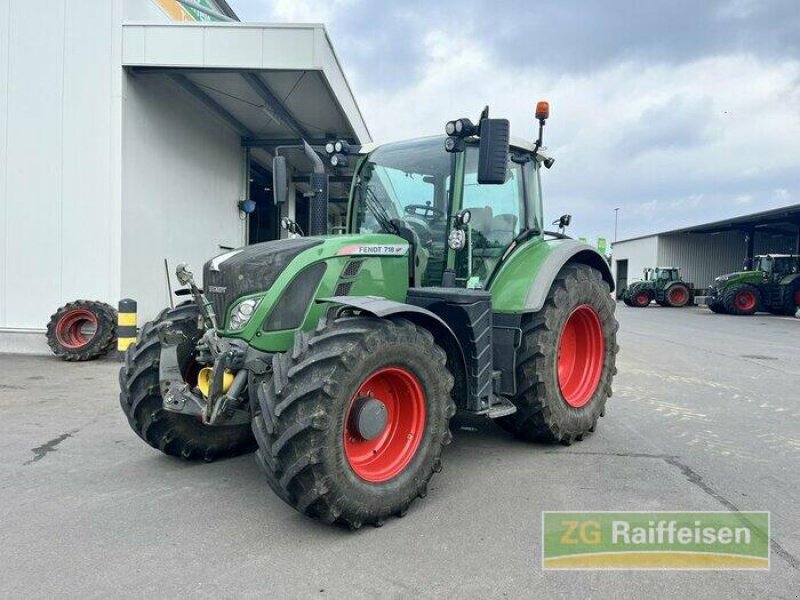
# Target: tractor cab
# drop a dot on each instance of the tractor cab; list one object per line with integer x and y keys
{"x": 459, "y": 227}
{"x": 777, "y": 265}
{"x": 662, "y": 274}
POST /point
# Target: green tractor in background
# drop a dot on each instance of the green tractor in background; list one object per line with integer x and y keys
{"x": 342, "y": 358}
{"x": 771, "y": 285}
{"x": 662, "y": 284}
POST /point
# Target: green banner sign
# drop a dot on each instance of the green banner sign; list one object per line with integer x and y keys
{"x": 663, "y": 540}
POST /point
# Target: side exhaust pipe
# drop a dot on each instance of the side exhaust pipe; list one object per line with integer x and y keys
{"x": 318, "y": 207}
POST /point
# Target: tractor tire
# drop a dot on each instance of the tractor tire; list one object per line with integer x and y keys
{"x": 641, "y": 299}
{"x": 317, "y": 455}
{"x": 567, "y": 360}
{"x": 140, "y": 397}
{"x": 677, "y": 296}
{"x": 82, "y": 330}
{"x": 717, "y": 307}
{"x": 743, "y": 299}
{"x": 626, "y": 299}
{"x": 792, "y": 299}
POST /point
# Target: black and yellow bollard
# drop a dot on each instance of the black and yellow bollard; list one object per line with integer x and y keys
{"x": 126, "y": 324}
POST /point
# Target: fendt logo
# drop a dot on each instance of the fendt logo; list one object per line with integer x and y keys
{"x": 217, "y": 289}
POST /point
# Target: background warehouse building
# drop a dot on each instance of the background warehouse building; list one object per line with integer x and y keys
{"x": 129, "y": 132}
{"x": 703, "y": 252}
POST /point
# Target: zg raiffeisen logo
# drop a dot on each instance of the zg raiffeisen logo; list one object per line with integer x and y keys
{"x": 664, "y": 540}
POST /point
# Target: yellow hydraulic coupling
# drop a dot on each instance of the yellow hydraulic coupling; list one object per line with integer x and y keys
{"x": 205, "y": 376}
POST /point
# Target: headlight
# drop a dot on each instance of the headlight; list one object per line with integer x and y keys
{"x": 242, "y": 313}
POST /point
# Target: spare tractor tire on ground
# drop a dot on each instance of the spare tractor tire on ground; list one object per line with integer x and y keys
{"x": 677, "y": 295}
{"x": 82, "y": 330}
{"x": 351, "y": 422}
{"x": 140, "y": 397}
{"x": 742, "y": 299}
{"x": 567, "y": 360}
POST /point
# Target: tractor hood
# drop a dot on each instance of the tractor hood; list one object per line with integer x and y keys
{"x": 264, "y": 271}
{"x": 249, "y": 270}
{"x": 743, "y": 276}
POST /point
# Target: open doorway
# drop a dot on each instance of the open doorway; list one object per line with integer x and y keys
{"x": 265, "y": 219}
{"x": 622, "y": 276}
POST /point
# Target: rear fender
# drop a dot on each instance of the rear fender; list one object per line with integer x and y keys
{"x": 523, "y": 282}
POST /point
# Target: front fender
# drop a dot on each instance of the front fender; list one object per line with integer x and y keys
{"x": 525, "y": 278}
{"x": 441, "y": 331}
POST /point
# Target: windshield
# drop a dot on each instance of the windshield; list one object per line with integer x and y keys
{"x": 405, "y": 185}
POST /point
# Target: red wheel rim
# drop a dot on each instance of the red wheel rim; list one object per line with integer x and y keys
{"x": 797, "y": 298}
{"x": 678, "y": 296}
{"x": 76, "y": 328}
{"x": 642, "y": 299}
{"x": 384, "y": 457}
{"x": 581, "y": 353}
{"x": 745, "y": 300}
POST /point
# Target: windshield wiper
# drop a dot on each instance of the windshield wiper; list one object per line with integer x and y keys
{"x": 377, "y": 209}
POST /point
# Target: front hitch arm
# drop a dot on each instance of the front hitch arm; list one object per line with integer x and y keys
{"x": 178, "y": 397}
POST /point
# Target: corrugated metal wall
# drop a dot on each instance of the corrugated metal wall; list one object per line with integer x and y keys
{"x": 702, "y": 257}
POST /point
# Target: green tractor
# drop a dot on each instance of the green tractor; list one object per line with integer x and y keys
{"x": 342, "y": 358}
{"x": 662, "y": 284}
{"x": 771, "y": 285}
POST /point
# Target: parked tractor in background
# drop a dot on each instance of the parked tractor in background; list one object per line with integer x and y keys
{"x": 772, "y": 285}
{"x": 343, "y": 357}
{"x": 662, "y": 284}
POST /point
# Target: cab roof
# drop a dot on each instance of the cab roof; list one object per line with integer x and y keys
{"x": 514, "y": 142}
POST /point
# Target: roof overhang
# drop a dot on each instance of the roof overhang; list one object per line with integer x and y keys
{"x": 782, "y": 221}
{"x": 273, "y": 84}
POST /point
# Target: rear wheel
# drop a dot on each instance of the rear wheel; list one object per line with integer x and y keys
{"x": 567, "y": 360}
{"x": 678, "y": 295}
{"x": 140, "y": 397}
{"x": 743, "y": 299}
{"x": 352, "y": 422}
{"x": 82, "y": 330}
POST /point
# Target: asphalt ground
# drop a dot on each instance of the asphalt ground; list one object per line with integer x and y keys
{"x": 704, "y": 417}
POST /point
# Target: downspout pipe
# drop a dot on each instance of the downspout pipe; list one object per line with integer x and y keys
{"x": 318, "y": 207}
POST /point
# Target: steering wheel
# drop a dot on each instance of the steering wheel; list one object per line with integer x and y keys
{"x": 424, "y": 211}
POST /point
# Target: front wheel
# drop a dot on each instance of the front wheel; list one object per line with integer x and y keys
{"x": 567, "y": 360}
{"x": 352, "y": 422}
{"x": 742, "y": 299}
{"x": 141, "y": 401}
{"x": 641, "y": 299}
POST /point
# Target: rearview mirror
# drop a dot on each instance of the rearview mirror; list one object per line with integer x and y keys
{"x": 493, "y": 151}
{"x": 280, "y": 180}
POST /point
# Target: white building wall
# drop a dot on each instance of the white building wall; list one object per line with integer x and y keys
{"x": 701, "y": 258}
{"x": 57, "y": 200}
{"x": 639, "y": 253}
{"x": 182, "y": 175}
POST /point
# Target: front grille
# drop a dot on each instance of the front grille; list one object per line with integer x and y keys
{"x": 343, "y": 289}
{"x": 219, "y": 300}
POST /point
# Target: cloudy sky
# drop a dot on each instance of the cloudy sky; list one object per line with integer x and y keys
{"x": 676, "y": 111}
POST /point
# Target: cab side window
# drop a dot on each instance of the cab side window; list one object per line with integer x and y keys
{"x": 497, "y": 213}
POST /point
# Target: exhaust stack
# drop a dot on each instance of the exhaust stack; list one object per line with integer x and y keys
{"x": 318, "y": 207}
